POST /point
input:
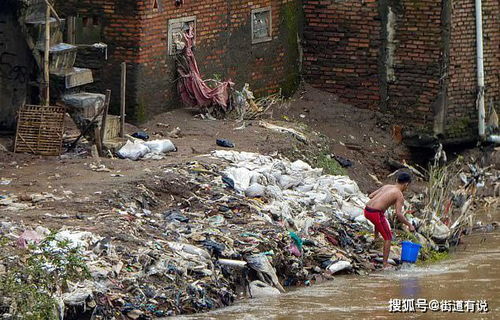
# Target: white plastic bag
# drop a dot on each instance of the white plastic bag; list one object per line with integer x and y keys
{"x": 339, "y": 266}
{"x": 255, "y": 191}
{"x": 351, "y": 210}
{"x": 133, "y": 150}
{"x": 160, "y": 146}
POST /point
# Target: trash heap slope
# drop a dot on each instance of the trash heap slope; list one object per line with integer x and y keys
{"x": 201, "y": 235}
{"x": 297, "y": 193}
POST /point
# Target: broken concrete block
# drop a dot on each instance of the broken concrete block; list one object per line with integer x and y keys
{"x": 85, "y": 103}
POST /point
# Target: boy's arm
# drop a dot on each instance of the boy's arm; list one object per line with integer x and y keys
{"x": 399, "y": 212}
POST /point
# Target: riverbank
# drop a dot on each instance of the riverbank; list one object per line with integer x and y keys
{"x": 186, "y": 233}
{"x": 200, "y": 236}
{"x": 470, "y": 273}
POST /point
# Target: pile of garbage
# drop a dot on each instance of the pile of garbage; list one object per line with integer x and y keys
{"x": 247, "y": 107}
{"x": 202, "y": 235}
{"x": 253, "y": 229}
{"x": 297, "y": 194}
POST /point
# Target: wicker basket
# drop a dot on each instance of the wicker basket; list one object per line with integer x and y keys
{"x": 40, "y": 130}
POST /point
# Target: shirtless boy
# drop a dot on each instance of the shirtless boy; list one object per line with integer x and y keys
{"x": 382, "y": 199}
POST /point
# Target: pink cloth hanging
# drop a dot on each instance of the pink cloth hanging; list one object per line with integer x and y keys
{"x": 193, "y": 90}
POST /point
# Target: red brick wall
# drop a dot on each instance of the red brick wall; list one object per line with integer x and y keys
{"x": 341, "y": 49}
{"x": 121, "y": 32}
{"x": 137, "y": 34}
{"x": 414, "y": 91}
{"x": 223, "y": 47}
{"x": 432, "y": 60}
{"x": 462, "y": 92}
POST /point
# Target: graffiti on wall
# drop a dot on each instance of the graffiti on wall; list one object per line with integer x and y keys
{"x": 10, "y": 71}
{"x": 9, "y": 67}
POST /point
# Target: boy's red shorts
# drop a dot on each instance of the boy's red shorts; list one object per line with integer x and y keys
{"x": 377, "y": 217}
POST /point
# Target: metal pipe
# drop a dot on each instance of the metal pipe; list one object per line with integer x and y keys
{"x": 494, "y": 139}
{"x": 480, "y": 70}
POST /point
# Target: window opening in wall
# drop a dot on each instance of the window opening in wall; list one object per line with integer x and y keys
{"x": 85, "y": 21}
{"x": 176, "y": 29}
{"x": 155, "y": 4}
{"x": 84, "y": 29}
{"x": 261, "y": 25}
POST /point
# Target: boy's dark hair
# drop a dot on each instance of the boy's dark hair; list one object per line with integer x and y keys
{"x": 404, "y": 177}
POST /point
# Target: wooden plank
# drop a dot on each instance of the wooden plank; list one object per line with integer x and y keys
{"x": 123, "y": 86}
{"x": 46, "y": 76}
{"x": 105, "y": 115}
{"x": 98, "y": 142}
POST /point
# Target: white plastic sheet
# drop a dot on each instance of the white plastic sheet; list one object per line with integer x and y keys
{"x": 133, "y": 150}
{"x": 294, "y": 188}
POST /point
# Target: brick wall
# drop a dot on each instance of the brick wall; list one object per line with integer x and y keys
{"x": 414, "y": 90}
{"x": 413, "y": 58}
{"x": 462, "y": 92}
{"x": 121, "y": 32}
{"x": 341, "y": 49}
{"x": 137, "y": 33}
{"x": 223, "y": 48}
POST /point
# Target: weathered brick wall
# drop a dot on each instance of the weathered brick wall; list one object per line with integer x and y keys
{"x": 137, "y": 33}
{"x": 223, "y": 48}
{"x": 413, "y": 58}
{"x": 342, "y": 41}
{"x": 462, "y": 92}
{"x": 413, "y": 91}
{"x": 121, "y": 32}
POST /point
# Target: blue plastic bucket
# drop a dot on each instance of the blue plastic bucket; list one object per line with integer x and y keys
{"x": 409, "y": 252}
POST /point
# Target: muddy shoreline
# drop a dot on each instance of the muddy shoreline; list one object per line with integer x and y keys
{"x": 175, "y": 236}
{"x": 158, "y": 246}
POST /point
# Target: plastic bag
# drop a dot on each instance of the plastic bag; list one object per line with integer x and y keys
{"x": 259, "y": 289}
{"x": 161, "y": 146}
{"x": 133, "y": 150}
{"x": 255, "y": 191}
{"x": 261, "y": 264}
{"x": 339, "y": 266}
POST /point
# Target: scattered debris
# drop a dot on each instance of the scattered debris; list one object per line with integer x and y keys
{"x": 345, "y": 163}
{"x": 225, "y": 143}
{"x": 175, "y": 133}
{"x": 200, "y": 234}
{"x": 299, "y": 136}
{"x": 246, "y": 107}
{"x": 5, "y": 182}
{"x": 140, "y": 135}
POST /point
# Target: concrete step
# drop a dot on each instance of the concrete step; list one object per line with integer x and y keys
{"x": 62, "y": 57}
{"x": 36, "y": 29}
{"x": 36, "y": 10}
{"x": 73, "y": 77}
{"x": 85, "y": 104}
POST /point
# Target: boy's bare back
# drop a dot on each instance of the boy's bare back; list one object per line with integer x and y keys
{"x": 385, "y": 197}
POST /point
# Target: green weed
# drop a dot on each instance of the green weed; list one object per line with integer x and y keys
{"x": 45, "y": 269}
{"x": 429, "y": 256}
{"x": 329, "y": 165}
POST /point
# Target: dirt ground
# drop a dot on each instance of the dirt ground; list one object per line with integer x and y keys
{"x": 351, "y": 133}
{"x": 128, "y": 201}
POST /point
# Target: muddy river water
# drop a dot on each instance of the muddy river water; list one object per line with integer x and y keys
{"x": 472, "y": 272}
